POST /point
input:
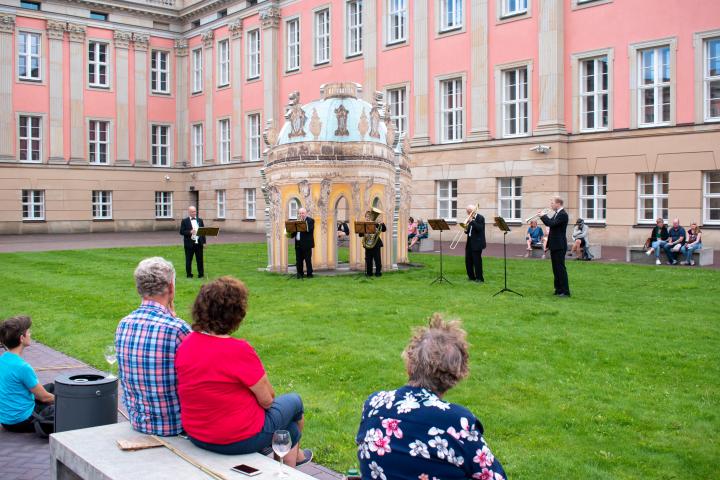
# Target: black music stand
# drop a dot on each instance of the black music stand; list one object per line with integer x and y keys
{"x": 207, "y": 232}
{"x": 503, "y": 226}
{"x": 292, "y": 227}
{"x": 440, "y": 225}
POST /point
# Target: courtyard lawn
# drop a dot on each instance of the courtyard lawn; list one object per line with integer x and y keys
{"x": 620, "y": 381}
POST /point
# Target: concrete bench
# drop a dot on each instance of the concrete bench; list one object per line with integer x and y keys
{"x": 93, "y": 454}
{"x": 424, "y": 245}
{"x": 537, "y": 252}
{"x": 636, "y": 254}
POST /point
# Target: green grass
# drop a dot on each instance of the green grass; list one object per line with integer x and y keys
{"x": 620, "y": 381}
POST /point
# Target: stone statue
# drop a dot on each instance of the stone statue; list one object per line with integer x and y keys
{"x": 325, "y": 187}
{"x": 341, "y": 113}
{"x": 295, "y": 115}
{"x": 376, "y": 115}
{"x": 315, "y": 124}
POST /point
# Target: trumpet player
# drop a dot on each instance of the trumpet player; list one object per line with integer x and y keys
{"x": 557, "y": 243}
{"x": 475, "y": 244}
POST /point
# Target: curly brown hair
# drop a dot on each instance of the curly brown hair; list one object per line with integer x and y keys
{"x": 220, "y": 306}
{"x": 437, "y": 356}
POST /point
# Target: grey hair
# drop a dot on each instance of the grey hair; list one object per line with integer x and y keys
{"x": 153, "y": 276}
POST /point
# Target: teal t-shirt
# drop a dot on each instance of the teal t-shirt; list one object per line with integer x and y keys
{"x": 17, "y": 377}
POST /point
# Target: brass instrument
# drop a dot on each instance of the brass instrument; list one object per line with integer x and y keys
{"x": 545, "y": 211}
{"x": 464, "y": 226}
{"x": 370, "y": 240}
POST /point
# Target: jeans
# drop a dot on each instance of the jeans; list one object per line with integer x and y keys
{"x": 658, "y": 245}
{"x": 688, "y": 250}
{"x": 672, "y": 256}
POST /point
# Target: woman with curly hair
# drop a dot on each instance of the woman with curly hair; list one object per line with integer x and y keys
{"x": 411, "y": 433}
{"x": 227, "y": 402}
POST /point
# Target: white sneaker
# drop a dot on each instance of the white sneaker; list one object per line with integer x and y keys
{"x": 692, "y": 263}
{"x": 658, "y": 262}
{"x": 649, "y": 252}
{"x": 684, "y": 263}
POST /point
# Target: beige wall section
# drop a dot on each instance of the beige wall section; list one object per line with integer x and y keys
{"x": 140, "y": 43}
{"x": 181, "y": 105}
{"x": 7, "y": 115}
{"x": 270, "y": 22}
{"x": 56, "y": 36}
{"x": 479, "y": 70}
{"x": 208, "y": 89}
{"x": 77, "y": 87}
{"x": 421, "y": 127}
{"x": 551, "y": 66}
{"x": 236, "y": 30}
{"x": 122, "y": 133}
{"x": 370, "y": 49}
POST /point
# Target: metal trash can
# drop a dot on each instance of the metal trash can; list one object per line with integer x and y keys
{"x": 85, "y": 400}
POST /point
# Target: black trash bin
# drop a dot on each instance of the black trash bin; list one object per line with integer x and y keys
{"x": 85, "y": 400}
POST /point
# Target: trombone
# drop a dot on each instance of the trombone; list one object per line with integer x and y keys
{"x": 545, "y": 211}
{"x": 464, "y": 226}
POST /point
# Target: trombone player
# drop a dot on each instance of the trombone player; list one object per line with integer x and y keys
{"x": 475, "y": 232}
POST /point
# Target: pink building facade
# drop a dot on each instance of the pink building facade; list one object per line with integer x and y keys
{"x": 117, "y": 118}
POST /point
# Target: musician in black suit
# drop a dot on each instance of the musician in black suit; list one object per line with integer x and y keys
{"x": 374, "y": 255}
{"x": 474, "y": 245}
{"x": 557, "y": 244}
{"x": 304, "y": 243}
{"x": 192, "y": 242}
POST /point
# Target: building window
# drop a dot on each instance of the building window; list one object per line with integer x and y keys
{"x": 33, "y": 204}
{"x": 29, "y": 5}
{"x": 711, "y": 194}
{"x": 253, "y": 54}
{"x": 254, "y": 137}
{"x": 29, "y": 56}
{"x": 322, "y": 36}
{"x": 515, "y": 102}
{"x": 593, "y": 198}
{"x": 197, "y": 144}
{"x": 451, "y": 14}
{"x": 712, "y": 79}
{"x": 99, "y": 16}
{"x": 451, "y": 110}
{"x": 97, "y": 64}
{"x": 397, "y": 107}
{"x": 654, "y": 86}
{"x": 160, "y": 145}
{"x": 223, "y": 59}
{"x": 30, "y": 135}
{"x": 222, "y": 13}
{"x": 397, "y": 21}
{"x": 197, "y": 56}
{"x": 102, "y": 204}
{"x": 98, "y": 141}
{"x": 354, "y": 27}
{"x": 159, "y": 72}
{"x": 224, "y": 140}
{"x": 220, "y": 200}
{"x": 250, "y": 203}
{"x": 163, "y": 204}
{"x": 510, "y": 198}
{"x": 293, "y": 44}
{"x": 594, "y": 94}
{"x": 195, "y": 24}
{"x": 514, "y": 7}
{"x": 293, "y": 207}
{"x": 447, "y": 199}
{"x": 652, "y": 197}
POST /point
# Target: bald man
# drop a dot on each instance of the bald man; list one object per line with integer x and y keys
{"x": 192, "y": 242}
{"x": 474, "y": 245}
{"x": 304, "y": 243}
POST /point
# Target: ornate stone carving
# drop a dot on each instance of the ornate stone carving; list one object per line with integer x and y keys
{"x": 122, "y": 39}
{"x": 341, "y": 113}
{"x": 207, "y": 38}
{"x": 7, "y": 23}
{"x": 181, "y": 47}
{"x": 306, "y": 193}
{"x": 296, "y": 116}
{"x": 270, "y": 17}
{"x": 56, "y": 30}
{"x": 140, "y": 41}
{"x": 406, "y": 144}
{"x": 236, "y": 28}
{"x": 376, "y": 115}
{"x": 315, "y": 124}
{"x": 325, "y": 187}
{"x": 363, "y": 125}
{"x": 366, "y": 194}
{"x": 270, "y": 134}
{"x": 355, "y": 194}
{"x": 77, "y": 32}
{"x": 391, "y": 133}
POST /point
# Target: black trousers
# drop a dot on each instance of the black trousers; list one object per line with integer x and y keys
{"x": 303, "y": 258}
{"x": 473, "y": 263}
{"x": 557, "y": 257}
{"x": 195, "y": 249}
{"x": 372, "y": 255}
{"x": 28, "y": 425}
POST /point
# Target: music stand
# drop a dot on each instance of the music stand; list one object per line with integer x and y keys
{"x": 503, "y": 226}
{"x": 292, "y": 227}
{"x": 440, "y": 225}
{"x": 364, "y": 227}
{"x": 207, "y": 232}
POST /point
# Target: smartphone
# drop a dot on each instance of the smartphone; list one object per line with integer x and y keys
{"x": 246, "y": 470}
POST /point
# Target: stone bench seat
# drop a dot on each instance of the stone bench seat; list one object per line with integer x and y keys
{"x": 424, "y": 245}
{"x": 93, "y": 454}
{"x": 636, "y": 254}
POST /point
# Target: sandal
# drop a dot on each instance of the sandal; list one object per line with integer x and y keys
{"x": 308, "y": 457}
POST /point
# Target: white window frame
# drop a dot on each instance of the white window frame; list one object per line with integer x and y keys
{"x": 353, "y": 28}
{"x": 708, "y": 79}
{"x": 576, "y": 75}
{"x": 519, "y": 102}
{"x": 159, "y": 151}
{"x": 452, "y": 15}
{"x": 293, "y": 207}
{"x": 707, "y": 197}
{"x": 223, "y": 139}
{"x": 451, "y": 197}
{"x": 396, "y": 22}
{"x": 397, "y": 108}
{"x": 198, "y": 136}
{"x": 515, "y": 200}
{"x": 25, "y": 57}
{"x": 163, "y": 204}
{"x": 96, "y": 66}
{"x": 596, "y": 95}
{"x": 657, "y": 86}
{"x": 518, "y": 7}
{"x": 94, "y": 127}
{"x": 223, "y": 63}
{"x": 29, "y": 138}
{"x": 254, "y": 132}
{"x": 250, "y": 204}
{"x": 451, "y": 114}
{"x": 197, "y": 59}
{"x": 598, "y": 198}
{"x": 220, "y": 203}
{"x": 321, "y": 36}
{"x": 292, "y": 40}
{"x": 159, "y": 76}
{"x": 634, "y": 52}
{"x": 658, "y": 209}
{"x": 33, "y": 202}
{"x": 102, "y": 204}
{"x": 253, "y": 54}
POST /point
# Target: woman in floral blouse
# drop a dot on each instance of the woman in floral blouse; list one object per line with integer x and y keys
{"x": 412, "y": 434}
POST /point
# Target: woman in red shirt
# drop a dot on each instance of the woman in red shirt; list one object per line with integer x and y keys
{"x": 227, "y": 402}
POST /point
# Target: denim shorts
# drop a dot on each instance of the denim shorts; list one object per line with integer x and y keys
{"x": 284, "y": 414}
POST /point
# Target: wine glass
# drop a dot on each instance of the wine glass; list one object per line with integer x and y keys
{"x": 110, "y": 358}
{"x": 281, "y": 445}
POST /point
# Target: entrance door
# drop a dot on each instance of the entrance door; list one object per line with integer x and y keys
{"x": 195, "y": 200}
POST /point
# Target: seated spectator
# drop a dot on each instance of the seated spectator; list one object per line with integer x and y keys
{"x": 545, "y": 240}
{"x": 23, "y": 399}
{"x": 694, "y": 242}
{"x": 658, "y": 239}
{"x": 410, "y": 432}
{"x": 580, "y": 238}
{"x": 146, "y": 342}
{"x": 533, "y": 237}
{"x": 228, "y": 404}
{"x": 343, "y": 229}
{"x": 412, "y": 232}
{"x": 422, "y": 231}
{"x": 675, "y": 242}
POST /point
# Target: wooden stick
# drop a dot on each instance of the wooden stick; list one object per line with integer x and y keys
{"x": 190, "y": 460}
{"x": 60, "y": 367}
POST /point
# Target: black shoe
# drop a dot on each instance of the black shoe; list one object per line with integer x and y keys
{"x": 563, "y": 295}
{"x": 480, "y": 280}
{"x": 368, "y": 274}
{"x": 378, "y": 274}
{"x": 201, "y": 276}
{"x": 309, "y": 275}
{"x": 190, "y": 276}
{"x": 297, "y": 275}
{"x": 471, "y": 279}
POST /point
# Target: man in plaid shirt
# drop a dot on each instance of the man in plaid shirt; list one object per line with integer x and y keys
{"x": 146, "y": 342}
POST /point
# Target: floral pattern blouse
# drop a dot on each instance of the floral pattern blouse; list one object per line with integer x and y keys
{"x": 411, "y": 434}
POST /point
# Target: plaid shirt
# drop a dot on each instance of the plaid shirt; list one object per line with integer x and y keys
{"x": 146, "y": 342}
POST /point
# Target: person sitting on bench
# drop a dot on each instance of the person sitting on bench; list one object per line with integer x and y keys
{"x": 658, "y": 239}
{"x": 580, "y": 238}
{"x": 675, "y": 243}
{"x": 534, "y": 237}
{"x": 412, "y": 232}
{"x": 694, "y": 242}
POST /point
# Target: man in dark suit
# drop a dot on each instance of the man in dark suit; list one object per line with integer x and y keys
{"x": 304, "y": 243}
{"x": 474, "y": 245}
{"x": 557, "y": 244}
{"x": 374, "y": 255}
{"x": 192, "y": 242}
